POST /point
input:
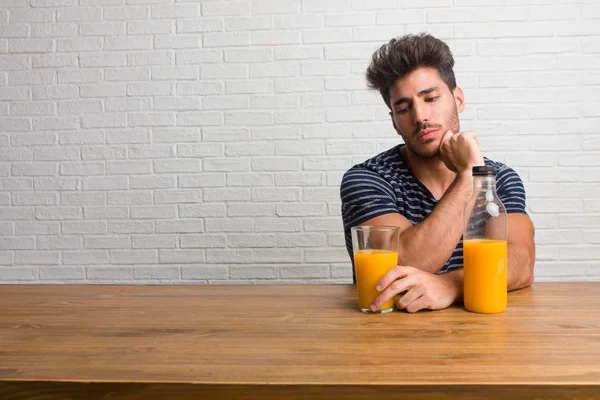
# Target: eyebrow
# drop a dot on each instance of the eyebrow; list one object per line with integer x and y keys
{"x": 420, "y": 94}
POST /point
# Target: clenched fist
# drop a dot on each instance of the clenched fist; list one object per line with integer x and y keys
{"x": 460, "y": 151}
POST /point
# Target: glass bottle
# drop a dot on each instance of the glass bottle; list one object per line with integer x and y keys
{"x": 485, "y": 246}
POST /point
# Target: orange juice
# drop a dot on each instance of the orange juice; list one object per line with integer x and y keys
{"x": 485, "y": 275}
{"x": 370, "y": 266}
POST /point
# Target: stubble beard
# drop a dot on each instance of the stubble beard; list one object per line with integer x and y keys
{"x": 452, "y": 123}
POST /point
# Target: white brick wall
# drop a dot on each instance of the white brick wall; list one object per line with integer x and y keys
{"x": 173, "y": 141}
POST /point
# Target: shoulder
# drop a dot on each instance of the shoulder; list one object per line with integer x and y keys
{"x": 504, "y": 173}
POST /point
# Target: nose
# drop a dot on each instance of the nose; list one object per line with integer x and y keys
{"x": 419, "y": 114}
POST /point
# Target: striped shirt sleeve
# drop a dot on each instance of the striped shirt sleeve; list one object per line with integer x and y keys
{"x": 511, "y": 190}
{"x": 365, "y": 195}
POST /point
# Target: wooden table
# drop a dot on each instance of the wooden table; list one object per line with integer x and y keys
{"x": 180, "y": 342}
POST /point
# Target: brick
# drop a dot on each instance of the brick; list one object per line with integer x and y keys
{"x": 128, "y": 104}
{"x": 134, "y": 256}
{"x": 106, "y": 120}
{"x": 82, "y": 137}
{"x": 57, "y": 184}
{"x": 148, "y": 27}
{"x": 228, "y": 39}
{"x": 249, "y": 87}
{"x": 305, "y": 271}
{"x": 18, "y": 274}
{"x": 150, "y": 89}
{"x": 85, "y": 227}
{"x": 199, "y": 25}
{"x": 150, "y": 58}
{"x": 16, "y": 243}
{"x": 109, "y": 212}
{"x": 105, "y": 183}
{"x": 226, "y": 165}
{"x": 250, "y": 55}
{"x": 176, "y": 135}
{"x": 326, "y": 5}
{"x": 28, "y": 15}
{"x": 275, "y": 194}
{"x": 179, "y": 41}
{"x": 298, "y": 52}
{"x": 184, "y": 57}
{"x": 201, "y": 210}
{"x": 275, "y": 164}
{"x": 12, "y": 154}
{"x": 127, "y": 42}
{"x": 149, "y": 151}
{"x": 151, "y": 119}
{"x": 275, "y": 69}
{"x": 295, "y": 85}
{"x": 34, "y": 199}
{"x": 128, "y": 167}
{"x": 276, "y": 7}
{"x": 221, "y": 134}
{"x": 126, "y": 13}
{"x": 220, "y": 256}
{"x": 249, "y": 241}
{"x": 179, "y": 226}
{"x": 250, "y": 210}
{"x": 249, "y": 149}
{"x": 225, "y": 102}
{"x": 199, "y": 118}
{"x": 54, "y": 30}
{"x": 117, "y": 31}
{"x": 15, "y": 93}
{"x": 275, "y": 101}
{"x": 223, "y": 71}
{"x": 181, "y": 256}
{"x": 178, "y": 196}
{"x": 107, "y": 242}
{"x": 37, "y": 258}
{"x": 162, "y": 241}
{"x": 152, "y": 182}
{"x": 175, "y": 73}
{"x": 54, "y": 92}
{"x": 15, "y": 124}
{"x": 301, "y": 210}
{"x": 174, "y": 11}
{"x": 59, "y": 242}
{"x": 34, "y": 169}
{"x": 212, "y": 9}
{"x": 202, "y": 271}
{"x": 248, "y": 23}
{"x": 32, "y": 108}
{"x": 278, "y": 255}
{"x": 275, "y": 37}
{"x": 154, "y": 273}
{"x": 105, "y": 59}
{"x": 131, "y": 227}
{"x": 31, "y": 77}
{"x": 116, "y": 274}
{"x": 16, "y": 213}
{"x": 327, "y": 255}
{"x": 153, "y": 212}
{"x": 129, "y": 197}
{"x": 327, "y": 35}
{"x": 229, "y": 224}
{"x": 85, "y": 257}
{"x": 253, "y": 272}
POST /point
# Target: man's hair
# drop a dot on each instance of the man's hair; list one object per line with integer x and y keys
{"x": 401, "y": 56}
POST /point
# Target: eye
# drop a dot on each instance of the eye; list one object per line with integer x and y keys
{"x": 432, "y": 99}
{"x": 402, "y": 110}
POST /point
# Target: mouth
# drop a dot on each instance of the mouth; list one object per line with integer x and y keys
{"x": 426, "y": 134}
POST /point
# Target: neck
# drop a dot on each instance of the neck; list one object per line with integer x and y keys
{"x": 432, "y": 172}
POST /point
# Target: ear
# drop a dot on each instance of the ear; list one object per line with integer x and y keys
{"x": 459, "y": 98}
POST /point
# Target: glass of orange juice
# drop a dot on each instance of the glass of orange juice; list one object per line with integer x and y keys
{"x": 375, "y": 251}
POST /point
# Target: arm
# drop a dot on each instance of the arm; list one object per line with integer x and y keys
{"x": 521, "y": 251}
{"x": 444, "y": 227}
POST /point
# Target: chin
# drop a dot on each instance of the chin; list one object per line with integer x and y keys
{"x": 429, "y": 149}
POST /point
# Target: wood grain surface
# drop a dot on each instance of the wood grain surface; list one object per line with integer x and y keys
{"x": 291, "y": 341}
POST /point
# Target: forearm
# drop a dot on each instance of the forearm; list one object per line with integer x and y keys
{"x": 430, "y": 243}
{"x": 519, "y": 266}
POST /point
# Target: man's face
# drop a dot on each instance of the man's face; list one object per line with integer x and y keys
{"x": 423, "y": 109}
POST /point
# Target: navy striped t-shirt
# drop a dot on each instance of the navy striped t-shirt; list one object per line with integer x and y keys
{"x": 383, "y": 185}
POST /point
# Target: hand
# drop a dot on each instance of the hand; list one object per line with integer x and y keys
{"x": 460, "y": 151}
{"x": 421, "y": 290}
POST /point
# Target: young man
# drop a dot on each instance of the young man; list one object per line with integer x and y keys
{"x": 423, "y": 185}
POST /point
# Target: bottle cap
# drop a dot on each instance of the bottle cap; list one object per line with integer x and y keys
{"x": 484, "y": 170}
